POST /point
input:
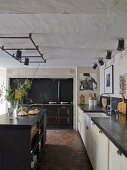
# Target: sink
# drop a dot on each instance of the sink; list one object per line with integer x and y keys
{"x": 97, "y": 114}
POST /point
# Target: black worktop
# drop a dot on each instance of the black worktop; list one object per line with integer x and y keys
{"x": 87, "y": 108}
{"x": 114, "y": 126}
{"x": 21, "y": 121}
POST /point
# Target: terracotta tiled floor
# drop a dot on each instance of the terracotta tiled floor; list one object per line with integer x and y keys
{"x": 64, "y": 151}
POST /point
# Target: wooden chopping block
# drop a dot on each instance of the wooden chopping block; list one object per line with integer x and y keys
{"x": 122, "y": 106}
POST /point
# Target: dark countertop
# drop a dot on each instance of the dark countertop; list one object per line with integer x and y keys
{"x": 114, "y": 127}
{"x": 24, "y": 121}
{"x": 87, "y": 108}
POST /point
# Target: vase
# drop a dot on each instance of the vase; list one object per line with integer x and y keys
{"x": 13, "y": 110}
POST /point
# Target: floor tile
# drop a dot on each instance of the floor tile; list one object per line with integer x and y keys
{"x": 64, "y": 151}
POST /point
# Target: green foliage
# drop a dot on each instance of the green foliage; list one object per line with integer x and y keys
{"x": 10, "y": 95}
{"x": 22, "y": 88}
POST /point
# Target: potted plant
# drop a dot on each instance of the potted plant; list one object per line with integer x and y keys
{"x": 14, "y": 97}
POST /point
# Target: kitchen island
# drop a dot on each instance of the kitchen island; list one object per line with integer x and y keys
{"x": 22, "y": 141}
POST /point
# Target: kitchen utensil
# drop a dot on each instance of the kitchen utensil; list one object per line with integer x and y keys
{"x": 82, "y": 99}
{"x": 122, "y": 106}
{"x": 91, "y": 102}
{"x": 95, "y": 102}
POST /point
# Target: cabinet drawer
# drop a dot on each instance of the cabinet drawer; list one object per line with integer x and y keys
{"x": 66, "y": 110}
{"x": 64, "y": 120}
{"x": 68, "y": 114}
{"x": 117, "y": 161}
{"x": 52, "y": 120}
{"x": 52, "y": 111}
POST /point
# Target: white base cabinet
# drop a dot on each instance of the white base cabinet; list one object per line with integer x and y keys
{"x": 100, "y": 149}
{"x": 117, "y": 161}
{"x": 103, "y": 154}
{"x": 88, "y": 137}
{"x": 81, "y": 124}
{"x": 79, "y": 120}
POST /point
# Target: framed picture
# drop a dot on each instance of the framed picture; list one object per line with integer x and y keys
{"x": 88, "y": 81}
{"x": 123, "y": 83}
{"x": 108, "y": 79}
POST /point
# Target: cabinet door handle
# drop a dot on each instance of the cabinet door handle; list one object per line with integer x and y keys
{"x": 119, "y": 153}
{"x": 87, "y": 127}
{"x": 100, "y": 131}
{"x": 68, "y": 120}
{"x": 56, "y": 118}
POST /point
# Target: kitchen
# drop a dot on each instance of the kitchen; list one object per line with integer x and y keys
{"x": 72, "y": 37}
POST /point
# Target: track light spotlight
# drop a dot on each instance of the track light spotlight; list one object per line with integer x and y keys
{"x": 100, "y": 61}
{"x": 95, "y": 66}
{"x": 109, "y": 54}
{"x": 120, "y": 45}
{"x": 18, "y": 55}
{"x": 26, "y": 61}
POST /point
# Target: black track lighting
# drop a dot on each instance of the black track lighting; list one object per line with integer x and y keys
{"x": 109, "y": 54}
{"x": 100, "y": 61}
{"x": 120, "y": 45}
{"x": 86, "y": 74}
{"x": 18, "y": 55}
{"x": 26, "y": 61}
{"x": 95, "y": 66}
{"x": 18, "y": 51}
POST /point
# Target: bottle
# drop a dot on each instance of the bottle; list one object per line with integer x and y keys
{"x": 82, "y": 99}
{"x": 91, "y": 102}
{"x": 95, "y": 99}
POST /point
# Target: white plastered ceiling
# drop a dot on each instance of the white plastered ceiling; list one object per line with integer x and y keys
{"x": 69, "y": 32}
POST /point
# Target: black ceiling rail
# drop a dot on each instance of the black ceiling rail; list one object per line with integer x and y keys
{"x": 20, "y": 49}
{"x": 37, "y": 47}
{"x": 20, "y": 60}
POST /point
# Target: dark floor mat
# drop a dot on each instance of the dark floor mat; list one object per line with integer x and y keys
{"x": 64, "y": 151}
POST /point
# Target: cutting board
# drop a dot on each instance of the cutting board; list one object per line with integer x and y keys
{"x": 122, "y": 106}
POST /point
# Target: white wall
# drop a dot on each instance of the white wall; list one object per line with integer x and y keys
{"x": 3, "y": 80}
{"x": 119, "y": 61}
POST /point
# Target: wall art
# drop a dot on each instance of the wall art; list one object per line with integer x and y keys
{"x": 108, "y": 79}
{"x": 88, "y": 81}
{"x": 123, "y": 83}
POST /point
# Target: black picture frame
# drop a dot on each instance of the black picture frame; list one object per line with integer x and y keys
{"x": 109, "y": 80}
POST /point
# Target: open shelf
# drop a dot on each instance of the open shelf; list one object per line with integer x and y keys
{"x": 37, "y": 141}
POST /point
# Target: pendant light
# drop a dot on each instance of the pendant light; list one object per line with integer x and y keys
{"x": 95, "y": 66}
{"x": 18, "y": 55}
{"x": 120, "y": 45}
{"x": 26, "y": 61}
{"x": 109, "y": 54}
{"x": 100, "y": 61}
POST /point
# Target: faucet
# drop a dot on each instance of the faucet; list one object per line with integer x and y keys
{"x": 116, "y": 110}
{"x": 103, "y": 94}
{"x": 111, "y": 102}
{"x": 110, "y": 110}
